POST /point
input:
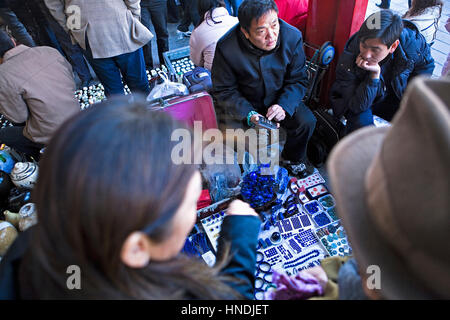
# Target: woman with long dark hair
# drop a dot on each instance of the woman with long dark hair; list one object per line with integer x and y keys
{"x": 216, "y": 22}
{"x": 112, "y": 203}
{"x": 425, "y": 14}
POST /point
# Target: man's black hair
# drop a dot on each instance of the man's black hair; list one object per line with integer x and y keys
{"x": 254, "y": 9}
{"x": 384, "y": 25}
{"x": 5, "y": 43}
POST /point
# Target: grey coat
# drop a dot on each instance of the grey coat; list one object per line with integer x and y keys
{"x": 113, "y": 27}
{"x": 37, "y": 87}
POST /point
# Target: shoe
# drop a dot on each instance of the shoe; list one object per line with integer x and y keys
{"x": 382, "y": 6}
{"x": 298, "y": 169}
{"x": 186, "y": 34}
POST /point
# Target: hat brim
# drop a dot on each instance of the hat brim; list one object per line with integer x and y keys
{"x": 347, "y": 167}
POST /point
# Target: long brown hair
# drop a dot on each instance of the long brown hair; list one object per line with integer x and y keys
{"x": 419, "y": 6}
{"x": 106, "y": 173}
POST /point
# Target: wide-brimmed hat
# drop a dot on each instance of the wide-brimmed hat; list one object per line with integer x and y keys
{"x": 392, "y": 190}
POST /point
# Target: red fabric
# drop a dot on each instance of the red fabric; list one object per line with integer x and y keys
{"x": 294, "y": 12}
{"x": 204, "y": 200}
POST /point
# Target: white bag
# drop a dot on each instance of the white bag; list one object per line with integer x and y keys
{"x": 167, "y": 89}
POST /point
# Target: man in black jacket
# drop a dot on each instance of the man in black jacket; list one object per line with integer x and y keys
{"x": 375, "y": 68}
{"x": 259, "y": 71}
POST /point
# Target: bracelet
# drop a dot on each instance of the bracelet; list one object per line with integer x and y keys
{"x": 249, "y": 116}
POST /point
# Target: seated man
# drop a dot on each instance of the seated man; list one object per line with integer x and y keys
{"x": 36, "y": 89}
{"x": 259, "y": 71}
{"x": 375, "y": 68}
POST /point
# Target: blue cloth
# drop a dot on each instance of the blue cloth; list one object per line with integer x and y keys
{"x": 349, "y": 282}
{"x": 354, "y": 92}
{"x": 233, "y": 6}
{"x": 242, "y": 233}
{"x": 109, "y": 70}
{"x": 72, "y": 52}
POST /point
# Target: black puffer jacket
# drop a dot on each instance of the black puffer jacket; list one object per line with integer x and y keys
{"x": 354, "y": 89}
{"x": 246, "y": 78}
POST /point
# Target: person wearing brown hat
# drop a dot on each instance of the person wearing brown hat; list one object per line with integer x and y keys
{"x": 392, "y": 190}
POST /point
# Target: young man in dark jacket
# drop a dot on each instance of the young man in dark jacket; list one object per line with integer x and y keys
{"x": 375, "y": 68}
{"x": 259, "y": 71}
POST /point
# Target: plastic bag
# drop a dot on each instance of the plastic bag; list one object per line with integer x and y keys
{"x": 167, "y": 89}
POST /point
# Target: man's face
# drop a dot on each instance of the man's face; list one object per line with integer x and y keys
{"x": 374, "y": 51}
{"x": 264, "y": 32}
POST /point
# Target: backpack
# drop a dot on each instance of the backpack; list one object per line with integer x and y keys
{"x": 329, "y": 130}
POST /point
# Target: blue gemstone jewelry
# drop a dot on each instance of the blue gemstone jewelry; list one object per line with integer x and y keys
{"x": 305, "y": 220}
{"x": 321, "y": 219}
{"x": 306, "y": 238}
{"x": 258, "y": 190}
{"x": 302, "y": 259}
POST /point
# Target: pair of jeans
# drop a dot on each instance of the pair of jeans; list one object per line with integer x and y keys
{"x": 72, "y": 52}
{"x": 13, "y": 137}
{"x": 190, "y": 14}
{"x": 18, "y": 30}
{"x": 131, "y": 66}
{"x": 155, "y": 11}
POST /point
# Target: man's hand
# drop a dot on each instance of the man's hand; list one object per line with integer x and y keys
{"x": 240, "y": 208}
{"x": 320, "y": 275}
{"x": 254, "y": 119}
{"x": 276, "y": 112}
{"x": 374, "y": 69}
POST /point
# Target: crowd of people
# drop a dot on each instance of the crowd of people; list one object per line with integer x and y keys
{"x": 111, "y": 200}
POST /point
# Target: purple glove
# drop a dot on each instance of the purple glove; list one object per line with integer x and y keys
{"x": 299, "y": 287}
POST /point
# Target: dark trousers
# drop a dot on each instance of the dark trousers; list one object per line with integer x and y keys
{"x": 18, "y": 30}
{"x": 109, "y": 70}
{"x": 72, "y": 52}
{"x": 385, "y": 4}
{"x": 13, "y": 137}
{"x": 155, "y": 11}
{"x": 299, "y": 129}
{"x": 190, "y": 14}
{"x": 173, "y": 11}
{"x": 233, "y": 6}
{"x": 385, "y": 110}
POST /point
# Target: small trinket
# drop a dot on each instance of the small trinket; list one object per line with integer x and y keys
{"x": 7, "y": 236}
{"x": 28, "y": 216}
{"x": 24, "y": 174}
